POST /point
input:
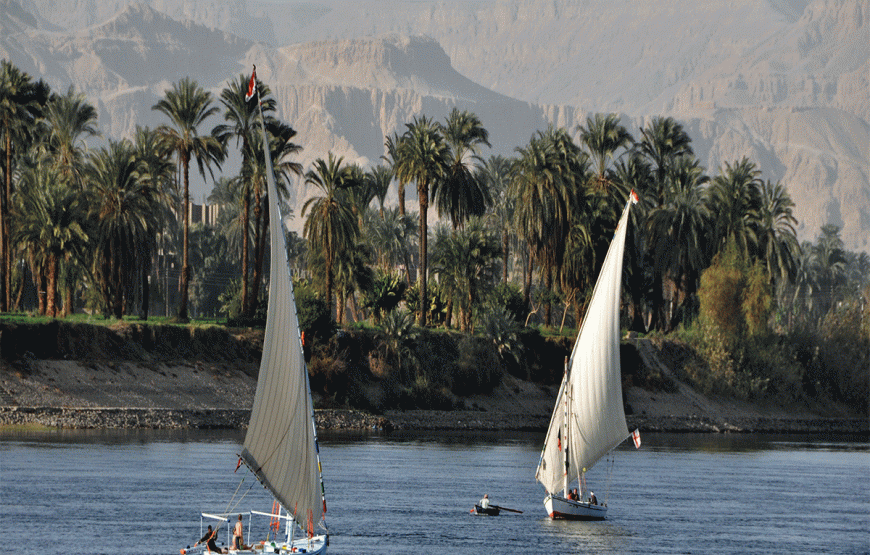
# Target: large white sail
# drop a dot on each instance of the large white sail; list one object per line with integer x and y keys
{"x": 589, "y": 419}
{"x": 281, "y": 443}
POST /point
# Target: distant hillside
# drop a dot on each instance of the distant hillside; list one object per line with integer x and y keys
{"x": 783, "y": 82}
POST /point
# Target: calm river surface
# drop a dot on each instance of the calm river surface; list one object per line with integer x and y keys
{"x": 141, "y": 492}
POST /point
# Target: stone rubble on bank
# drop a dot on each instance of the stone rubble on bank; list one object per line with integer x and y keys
{"x": 403, "y": 421}
{"x": 157, "y": 418}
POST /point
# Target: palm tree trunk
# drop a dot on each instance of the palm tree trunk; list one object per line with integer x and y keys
{"x": 354, "y": 309}
{"x": 246, "y": 206}
{"x": 505, "y": 255}
{"x": 259, "y": 251}
{"x": 118, "y": 297}
{"x": 408, "y": 269}
{"x": 51, "y": 289}
{"x": 146, "y": 290}
{"x": 527, "y": 281}
{"x": 41, "y": 291}
{"x": 68, "y": 300}
{"x": 329, "y": 285}
{"x": 185, "y": 267}
{"x": 5, "y": 258}
{"x": 423, "y": 194}
{"x": 549, "y": 310}
{"x": 401, "y": 186}
{"x": 18, "y": 294}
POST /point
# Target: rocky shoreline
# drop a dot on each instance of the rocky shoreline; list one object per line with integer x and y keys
{"x": 403, "y": 421}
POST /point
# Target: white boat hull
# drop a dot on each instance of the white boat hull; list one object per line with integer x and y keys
{"x": 313, "y": 546}
{"x": 561, "y": 508}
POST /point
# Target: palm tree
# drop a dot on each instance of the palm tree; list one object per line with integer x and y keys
{"x": 392, "y": 144}
{"x": 829, "y": 259}
{"x": 633, "y": 173}
{"x": 662, "y": 141}
{"x": 678, "y": 232}
{"x": 361, "y": 194}
{"x": 380, "y": 178}
{"x": 423, "y": 156}
{"x": 241, "y": 115}
{"x": 459, "y": 194}
{"x": 156, "y": 170}
{"x": 494, "y": 175}
{"x": 50, "y": 225}
{"x": 70, "y": 119}
{"x": 281, "y": 148}
{"x": 546, "y": 181}
{"x": 330, "y": 227}
{"x": 465, "y": 260}
{"x": 187, "y": 106}
{"x": 735, "y": 200}
{"x": 603, "y": 136}
{"x": 124, "y": 209}
{"x": 393, "y": 237}
{"x": 20, "y": 105}
{"x": 778, "y": 245}
{"x": 227, "y": 193}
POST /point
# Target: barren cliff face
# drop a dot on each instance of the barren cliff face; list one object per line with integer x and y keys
{"x": 783, "y": 82}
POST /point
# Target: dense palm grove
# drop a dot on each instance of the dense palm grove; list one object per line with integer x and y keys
{"x": 712, "y": 258}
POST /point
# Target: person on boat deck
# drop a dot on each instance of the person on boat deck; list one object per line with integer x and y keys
{"x": 592, "y": 498}
{"x": 572, "y": 495}
{"x": 238, "y": 534}
{"x": 209, "y": 538}
{"x": 484, "y": 503}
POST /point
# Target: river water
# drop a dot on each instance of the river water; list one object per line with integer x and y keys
{"x": 81, "y": 492}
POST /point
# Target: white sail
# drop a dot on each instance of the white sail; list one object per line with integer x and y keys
{"x": 551, "y": 469}
{"x": 589, "y": 419}
{"x": 281, "y": 443}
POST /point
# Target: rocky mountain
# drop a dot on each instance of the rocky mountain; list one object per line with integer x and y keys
{"x": 783, "y": 82}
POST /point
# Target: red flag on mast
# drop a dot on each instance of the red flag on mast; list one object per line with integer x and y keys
{"x": 252, "y": 85}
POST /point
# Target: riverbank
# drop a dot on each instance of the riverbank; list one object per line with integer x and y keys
{"x": 123, "y": 380}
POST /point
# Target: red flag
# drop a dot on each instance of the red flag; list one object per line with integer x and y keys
{"x": 634, "y": 199}
{"x": 238, "y": 464}
{"x": 635, "y": 435}
{"x": 252, "y": 85}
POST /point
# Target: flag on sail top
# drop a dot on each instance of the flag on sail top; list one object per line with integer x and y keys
{"x": 635, "y": 435}
{"x": 252, "y": 85}
{"x": 634, "y": 198}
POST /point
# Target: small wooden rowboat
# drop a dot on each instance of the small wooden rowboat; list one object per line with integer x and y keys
{"x": 492, "y": 510}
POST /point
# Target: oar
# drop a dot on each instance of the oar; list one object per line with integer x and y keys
{"x": 506, "y": 509}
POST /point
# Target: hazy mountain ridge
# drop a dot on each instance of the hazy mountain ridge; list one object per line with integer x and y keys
{"x": 227, "y": 15}
{"x": 784, "y": 83}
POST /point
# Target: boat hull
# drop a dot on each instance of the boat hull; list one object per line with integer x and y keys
{"x": 488, "y": 511}
{"x": 313, "y": 546}
{"x": 560, "y": 508}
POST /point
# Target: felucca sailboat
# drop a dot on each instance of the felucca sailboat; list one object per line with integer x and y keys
{"x": 588, "y": 420}
{"x": 280, "y": 446}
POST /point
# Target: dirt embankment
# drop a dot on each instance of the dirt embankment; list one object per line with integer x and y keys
{"x": 129, "y": 376}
